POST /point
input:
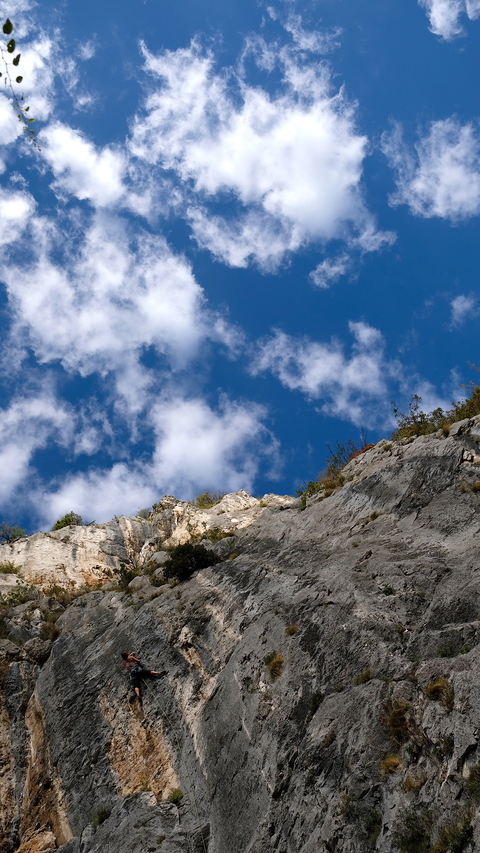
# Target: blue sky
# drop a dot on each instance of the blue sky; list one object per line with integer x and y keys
{"x": 249, "y": 227}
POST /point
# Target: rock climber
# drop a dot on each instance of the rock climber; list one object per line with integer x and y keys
{"x": 136, "y": 672}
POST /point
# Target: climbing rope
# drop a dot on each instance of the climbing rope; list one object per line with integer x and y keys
{"x": 191, "y": 787}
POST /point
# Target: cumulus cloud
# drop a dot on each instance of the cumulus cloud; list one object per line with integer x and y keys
{"x": 442, "y": 177}
{"x": 82, "y": 170}
{"x": 98, "y": 494}
{"x": 16, "y": 209}
{"x": 291, "y": 163}
{"x": 26, "y": 425}
{"x": 99, "y": 306}
{"x": 38, "y": 77}
{"x": 10, "y": 127}
{"x": 200, "y": 446}
{"x": 346, "y": 385}
{"x": 196, "y": 447}
{"x": 463, "y": 308}
{"x": 444, "y": 16}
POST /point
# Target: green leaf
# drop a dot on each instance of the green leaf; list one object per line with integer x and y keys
{"x": 31, "y": 119}
{"x": 17, "y": 59}
{"x": 7, "y": 27}
{"x": 11, "y": 45}
{"x": 27, "y": 109}
{"x": 18, "y": 79}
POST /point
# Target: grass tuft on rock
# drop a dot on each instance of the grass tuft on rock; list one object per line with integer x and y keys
{"x": 390, "y": 764}
{"x": 174, "y": 796}
{"x": 441, "y": 690}
{"x": 412, "y": 832}
{"x": 274, "y": 662}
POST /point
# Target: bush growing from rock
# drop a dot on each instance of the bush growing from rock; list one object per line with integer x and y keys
{"x": 124, "y": 575}
{"x": 364, "y": 676}
{"x": 9, "y": 568}
{"x": 10, "y": 532}
{"x": 417, "y": 422}
{"x": 395, "y": 717}
{"x": 175, "y": 796}
{"x": 19, "y": 595}
{"x": 187, "y": 559}
{"x": 102, "y": 815}
{"x": 208, "y": 499}
{"x": 414, "y": 782}
{"x": 332, "y": 478}
{"x": 314, "y": 703}
{"x": 412, "y": 834}
{"x": 69, "y": 518}
{"x": 274, "y": 663}
{"x": 454, "y": 837}
{"x": 473, "y": 783}
{"x": 143, "y": 513}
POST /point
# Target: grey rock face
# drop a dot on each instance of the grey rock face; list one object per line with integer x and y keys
{"x": 320, "y": 689}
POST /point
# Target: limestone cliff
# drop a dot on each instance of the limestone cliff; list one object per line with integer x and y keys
{"x": 321, "y": 688}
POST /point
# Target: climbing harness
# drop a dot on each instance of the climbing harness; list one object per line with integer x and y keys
{"x": 191, "y": 787}
{"x": 134, "y": 673}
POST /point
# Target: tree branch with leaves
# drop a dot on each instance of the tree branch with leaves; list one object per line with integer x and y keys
{"x": 6, "y": 51}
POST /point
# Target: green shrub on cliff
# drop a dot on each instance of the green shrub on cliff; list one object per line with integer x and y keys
{"x": 10, "y": 532}
{"x": 417, "y": 422}
{"x": 69, "y": 518}
{"x": 187, "y": 559}
{"x": 208, "y": 499}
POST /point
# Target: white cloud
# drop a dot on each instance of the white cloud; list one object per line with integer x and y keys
{"x": 68, "y": 70}
{"x": 443, "y": 178}
{"x": 201, "y": 448}
{"x": 36, "y": 88}
{"x": 330, "y": 270}
{"x": 98, "y": 307}
{"x": 196, "y": 448}
{"x": 473, "y": 8}
{"x": 25, "y": 426}
{"x": 16, "y": 208}
{"x": 10, "y": 127}
{"x": 98, "y": 494}
{"x": 87, "y": 50}
{"x": 80, "y": 169}
{"x": 346, "y": 385}
{"x": 291, "y": 163}
{"x": 38, "y": 77}
{"x": 314, "y": 41}
{"x": 463, "y": 308}
{"x": 444, "y": 16}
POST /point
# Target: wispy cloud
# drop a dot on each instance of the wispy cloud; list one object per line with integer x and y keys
{"x": 445, "y": 16}
{"x": 330, "y": 270}
{"x": 27, "y": 424}
{"x": 291, "y": 163}
{"x": 345, "y": 385}
{"x": 196, "y": 447}
{"x": 463, "y": 308}
{"x": 115, "y": 291}
{"x": 441, "y": 176}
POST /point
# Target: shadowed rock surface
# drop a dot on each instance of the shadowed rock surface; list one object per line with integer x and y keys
{"x": 322, "y": 681}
